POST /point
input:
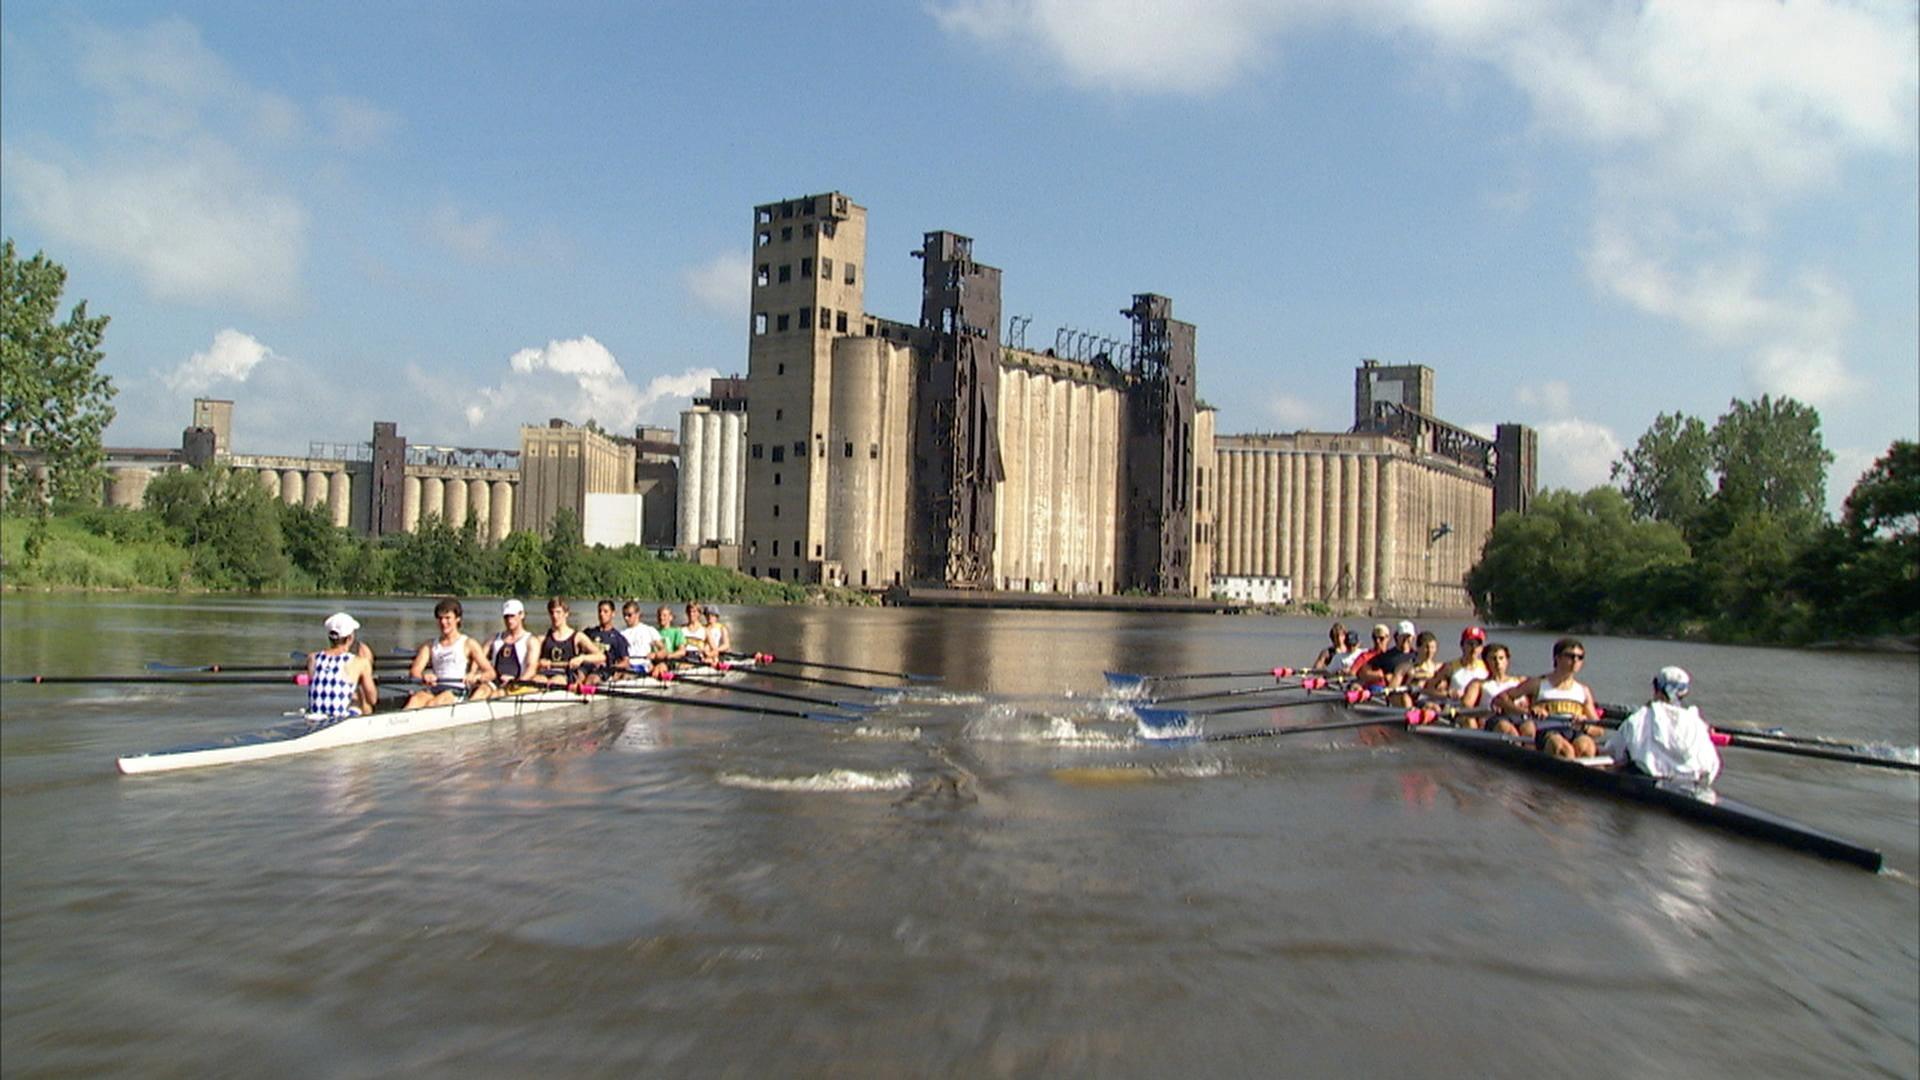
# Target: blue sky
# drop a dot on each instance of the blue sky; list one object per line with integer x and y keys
{"x": 465, "y": 217}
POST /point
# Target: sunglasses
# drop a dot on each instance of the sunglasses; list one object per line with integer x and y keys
{"x": 1574, "y": 655}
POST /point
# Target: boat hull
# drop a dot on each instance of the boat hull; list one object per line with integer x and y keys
{"x": 1713, "y": 809}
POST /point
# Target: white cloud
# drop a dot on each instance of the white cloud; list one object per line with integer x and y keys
{"x": 232, "y": 357}
{"x": 577, "y": 380}
{"x": 1576, "y": 454}
{"x": 474, "y": 237}
{"x": 1795, "y": 339}
{"x": 1553, "y": 397}
{"x": 722, "y": 284}
{"x": 201, "y": 226}
{"x": 1291, "y": 413}
{"x": 353, "y": 123}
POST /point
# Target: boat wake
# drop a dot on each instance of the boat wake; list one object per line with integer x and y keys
{"x": 1005, "y": 724}
{"x": 835, "y": 780}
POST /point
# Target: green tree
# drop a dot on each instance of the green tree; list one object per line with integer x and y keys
{"x": 314, "y": 543}
{"x": 1665, "y": 475}
{"x": 53, "y": 399}
{"x": 523, "y": 566}
{"x": 1886, "y": 501}
{"x": 1769, "y": 457}
{"x": 231, "y": 524}
{"x": 569, "y": 573}
{"x": 1571, "y": 561}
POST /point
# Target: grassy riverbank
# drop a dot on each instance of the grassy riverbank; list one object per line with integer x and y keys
{"x": 103, "y": 549}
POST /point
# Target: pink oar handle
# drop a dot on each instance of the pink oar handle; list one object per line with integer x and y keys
{"x": 1720, "y": 738}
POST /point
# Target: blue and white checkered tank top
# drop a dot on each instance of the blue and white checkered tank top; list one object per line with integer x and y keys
{"x": 330, "y": 693}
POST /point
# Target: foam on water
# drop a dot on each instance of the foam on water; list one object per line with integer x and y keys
{"x": 832, "y": 780}
{"x": 1005, "y": 724}
{"x": 901, "y": 733}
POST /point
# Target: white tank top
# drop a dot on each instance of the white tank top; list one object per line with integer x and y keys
{"x": 1464, "y": 677}
{"x": 1492, "y": 688}
{"x": 449, "y": 662}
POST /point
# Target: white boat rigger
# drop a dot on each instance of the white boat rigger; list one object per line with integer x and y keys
{"x": 304, "y": 735}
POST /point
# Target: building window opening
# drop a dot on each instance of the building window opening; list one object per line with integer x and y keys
{"x": 779, "y": 369}
{"x": 840, "y": 321}
{"x": 826, "y": 318}
{"x": 786, "y": 272}
{"x": 779, "y": 453}
{"x": 806, "y": 267}
{"x": 776, "y": 479}
{"x": 777, "y": 414}
{"x": 849, "y": 273}
{"x": 766, "y": 237}
{"x": 849, "y": 452}
{"x": 786, "y": 210}
{"x": 780, "y": 325}
{"x": 763, "y": 216}
{"x": 760, "y": 275}
{"x": 806, "y": 317}
{"x": 806, "y": 231}
{"x": 786, "y": 233}
{"x": 773, "y": 572}
{"x": 776, "y": 543}
{"x": 816, "y": 551}
{"x": 873, "y": 451}
{"x": 760, "y": 322}
{"x": 826, "y": 268}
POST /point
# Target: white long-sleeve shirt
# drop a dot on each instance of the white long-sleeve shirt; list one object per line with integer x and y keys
{"x": 1667, "y": 741}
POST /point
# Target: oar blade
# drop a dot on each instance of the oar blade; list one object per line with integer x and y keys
{"x": 1164, "y": 723}
{"x": 1125, "y": 682}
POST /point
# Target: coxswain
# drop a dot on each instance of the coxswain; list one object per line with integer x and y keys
{"x": 1556, "y": 708}
{"x": 612, "y": 642}
{"x": 1454, "y": 676}
{"x": 642, "y": 640}
{"x": 340, "y": 676}
{"x": 564, "y": 651}
{"x": 1481, "y": 692}
{"x": 453, "y": 667}
{"x": 511, "y": 652}
{"x": 1336, "y": 645}
{"x": 1666, "y": 739}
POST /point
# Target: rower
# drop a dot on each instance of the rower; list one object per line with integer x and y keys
{"x": 1382, "y": 642}
{"x": 642, "y": 639}
{"x": 612, "y": 642}
{"x": 1350, "y": 652}
{"x": 339, "y": 677}
{"x": 1665, "y": 739}
{"x": 1453, "y": 678}
{"x": 1336, "y": 645}
{"x": 1481, "y": 692}
{"x": 1426, "y": 659}
{"x": 453, "y": 666}
{"x": 696, "y": 635}
{"x": 673, "y": 640}
{"x": 1556, "y": 707}
{"x": 564, "y": 651}
{"x": 719, "y": 636}
{"x": 511, "y": 651}
{"x": 1387, "y": 669}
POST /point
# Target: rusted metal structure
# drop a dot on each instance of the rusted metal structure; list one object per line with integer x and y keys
{"x": 955, "y": 438}
{"x": 1159, "y": 453}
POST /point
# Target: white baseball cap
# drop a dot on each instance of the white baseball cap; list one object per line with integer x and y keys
{"x": 1406, "y": 628}
{"x": 513, "y": 607}
{"x": 341, "y": 625}
{"x": 1674, "y": 682}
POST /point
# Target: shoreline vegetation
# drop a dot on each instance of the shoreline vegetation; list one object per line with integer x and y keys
{"x": 250, "y": 543}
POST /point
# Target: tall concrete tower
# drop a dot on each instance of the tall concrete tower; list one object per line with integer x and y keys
{"x": 808, "y": 289}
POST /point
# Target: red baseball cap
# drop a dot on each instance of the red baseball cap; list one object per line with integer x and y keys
{"x": 1473, "y": 633}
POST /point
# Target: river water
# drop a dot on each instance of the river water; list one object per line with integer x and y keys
{"x": 994, "y": 877}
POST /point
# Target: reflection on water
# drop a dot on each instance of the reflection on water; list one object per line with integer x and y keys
{"x": 991, "y": 875}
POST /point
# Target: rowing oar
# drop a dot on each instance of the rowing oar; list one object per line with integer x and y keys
{"x": 1806, "y": 746}
{"x": 695, "y": 680}
{"x": 1335, "y": 725}
{"x": 298, "y": 678}
{"x": 1126, "y": 680}
{"x": 1621, "y": 712}
{"x": 1311, "y": 682}
{"x": 791, "y": 677}
{"x": 616, "y": 690}
{"x": 769, "y": 658}
{"x": 1173, "y": 718}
